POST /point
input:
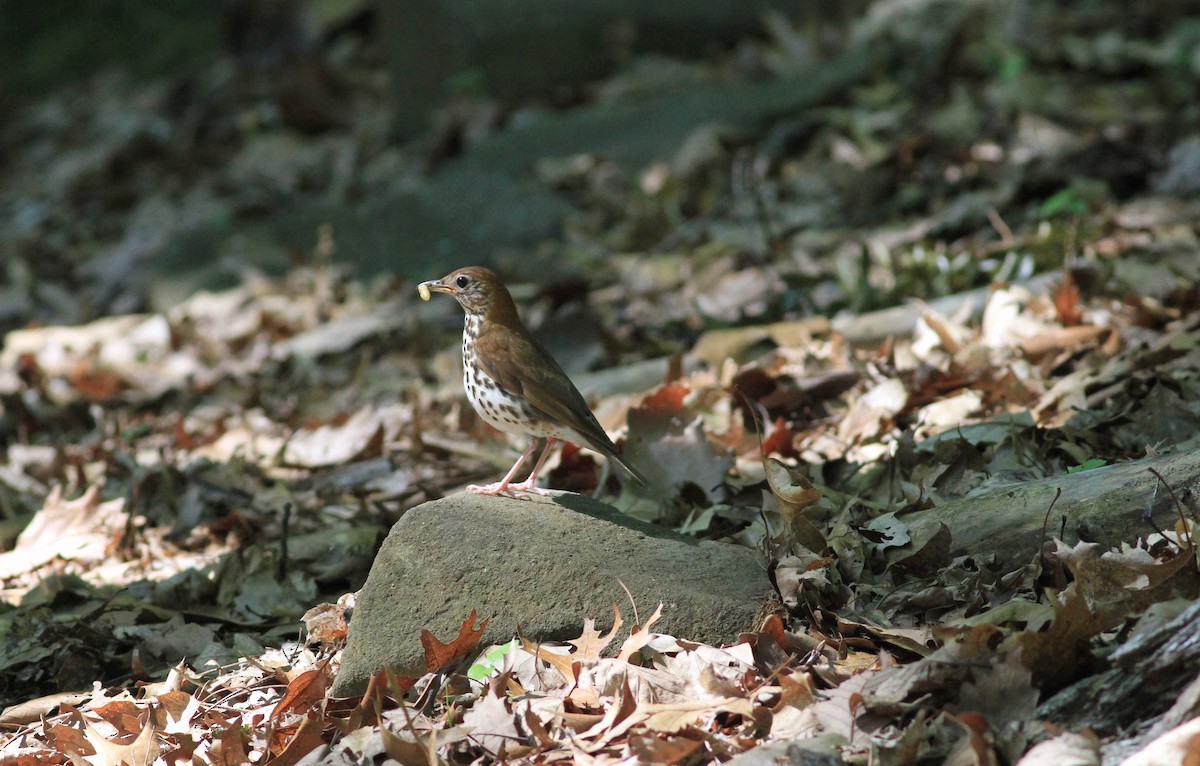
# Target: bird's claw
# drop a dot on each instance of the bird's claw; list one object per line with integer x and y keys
{"x": 510, "y": 490}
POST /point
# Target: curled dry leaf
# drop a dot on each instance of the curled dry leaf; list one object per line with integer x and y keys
{"x": 795, "y": 492}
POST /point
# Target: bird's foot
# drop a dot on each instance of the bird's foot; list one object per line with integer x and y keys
{"x": 511, "y": 490}
{"x": 499, "y": 488}
{"x": 529, "y": 486}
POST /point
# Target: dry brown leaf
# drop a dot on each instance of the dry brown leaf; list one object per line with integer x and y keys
{"x": 69, "y": 740}
{"x": 303, "y": 692}
{"x": 232, "y": 745}
{"x": 176, "y": 711}
{"x": 79, "y": 529}
{"x": 566, "y": 664}
{"x": 409, "y": 726}
{"x": 1118, "y": 583}
{"x": 590, "y": 643}
{"x": 439, "y": 655}
{"x": 295, "y": 742}
{"x": 326, "y": 624}
{"x": 618, "y": 718}
{"x": 493, "y": 725}
{"x": 34, "y": 709}
{"x": 1057, "y": 339}
{"x": 609, "y": 678}
{"x": 639, "y": 637}
{"x": 795, "y": 492}
{"x": 1178, "y": 747}
{"x": 1002, "y": 693}
{"x": 142, "y": 751}
{"x": 408, "y": 752}
{"x": 1066, "y": 749}
{"x": 361, "y": 436}
{"x": 674, "y": 717}
{"x": 796, "y": 689}
{"x": 1066, "y": 301}
{"x": 666, "y": 440}
{"x": 1056, "y": 654}
{"x": 869, "y": 416}
{"x": 668, "y": 750}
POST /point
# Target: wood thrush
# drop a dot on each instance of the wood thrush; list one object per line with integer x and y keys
{"x": 513, "y": 382}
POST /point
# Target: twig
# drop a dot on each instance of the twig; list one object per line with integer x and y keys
{"x": 282, "y": 573}
{"x": 1041, "y": 557}
{"x": 1006, "y": 235}
{"x": 1183, "y": 524}
{"x": 636, "y": 619}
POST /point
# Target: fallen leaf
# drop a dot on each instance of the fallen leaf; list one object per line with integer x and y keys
{"x": 142, "y": 751}
{"x": 439, "y": 655}
{"x": 493, "y": 725}
{"x": 639, "y": 637}
{"x": 795, "y": 492}
{"x": 590, "y": 643}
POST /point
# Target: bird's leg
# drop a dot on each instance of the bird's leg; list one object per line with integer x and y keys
{"x": 530, "y": 484}
{"x": 502, "y": 487}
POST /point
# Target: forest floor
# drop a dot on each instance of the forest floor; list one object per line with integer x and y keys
{"x": 971, "y": 274}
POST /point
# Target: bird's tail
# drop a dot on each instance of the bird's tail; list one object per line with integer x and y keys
{"x": 634, "y": 473}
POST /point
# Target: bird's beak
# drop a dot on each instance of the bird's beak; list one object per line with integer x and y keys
{"x": 433, "y": 285}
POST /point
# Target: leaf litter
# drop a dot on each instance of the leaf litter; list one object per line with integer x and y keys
{"x": 179, "y": 487}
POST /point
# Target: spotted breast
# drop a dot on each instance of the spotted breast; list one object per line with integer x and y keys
{"x": 499, "y": 408}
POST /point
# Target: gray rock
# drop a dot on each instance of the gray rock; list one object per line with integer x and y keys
{"x": 545, "y": 563}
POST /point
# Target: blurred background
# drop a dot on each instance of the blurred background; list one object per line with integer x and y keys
{"x": 148, "y": 150}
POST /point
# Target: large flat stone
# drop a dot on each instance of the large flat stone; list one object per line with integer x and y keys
{"x": 544, "y": 563}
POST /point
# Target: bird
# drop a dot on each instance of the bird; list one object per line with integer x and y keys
{"x": 514, "y": 383}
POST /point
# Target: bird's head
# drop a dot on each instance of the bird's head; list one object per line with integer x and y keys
{"x": 474, "y": 287}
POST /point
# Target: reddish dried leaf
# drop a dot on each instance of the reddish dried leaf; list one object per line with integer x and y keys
{"x": 773, "y": 627}
{"x": 667, "y": 400}
{"x": 125, "y": 716}
{"x": 779, "y": 440}
{"x": 175, "y": 709}
{"x": 439, "y": 655}
{"x": 68, "y": 740}
{"x": 308, "y": 736}
{"x": 405, "y": 751}
{"x": 1066, "y": 301}
{"x": 183, "y": 440}
{"x": 304, "y": 690}
{"x": 577, "y": 471}
{"x": 94, "y": 383}
{"x": 233, "y": 749}
{"x": 797, "y": 689}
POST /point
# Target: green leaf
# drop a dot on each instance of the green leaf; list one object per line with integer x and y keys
{"x": 1087, "y": 465}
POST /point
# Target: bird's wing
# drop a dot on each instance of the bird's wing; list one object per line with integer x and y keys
{"x": 522, "y": 366}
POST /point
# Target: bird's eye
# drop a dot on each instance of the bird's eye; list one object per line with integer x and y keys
{"x": 462, "y": 281}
